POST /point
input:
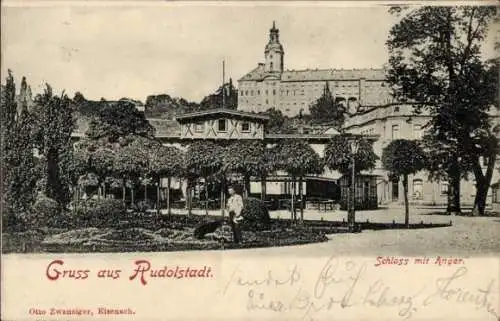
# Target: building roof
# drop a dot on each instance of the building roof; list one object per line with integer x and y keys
{"x": 259, "y": 74}
{"x": 332, "y": 74}
{"x": 220, "y": 111}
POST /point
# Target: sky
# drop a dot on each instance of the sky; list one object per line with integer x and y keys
{"x": 133, "y": 50}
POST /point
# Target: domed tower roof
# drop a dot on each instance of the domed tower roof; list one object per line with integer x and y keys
{"x": 274, "y": 40}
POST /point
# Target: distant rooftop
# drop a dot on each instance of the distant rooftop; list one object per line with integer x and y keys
{"x": 221, "y": 111}
{"x": 259, "y": 74}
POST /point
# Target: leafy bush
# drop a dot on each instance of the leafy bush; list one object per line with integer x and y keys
{"x": 11, "y": 222}
{"x": 255, "y": 214}
{"x": 43, "y": 212}
{"x": 102, "y": 213}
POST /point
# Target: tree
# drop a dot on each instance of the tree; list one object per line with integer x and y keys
{"x": 338, "y": 155}
{"x": 436, "y": 65}
{"x": 54, "y": 123}
{"x": 113, "y": 130}
{"x": 226, "y": 96}
{"x": 19, "y": 173}
{"x": 402, "y": 158}
{"x": 298, "y": 159}
{"x": 120, "y": 120}
{"x": 98, "y": 157}
{"x": 77, "y": 166}
{"x": 164, "y": 161}
{"x": 165, "y": 106}
{"x": 441, "y": 165}
{"x": 278, "y": 123}
{"x": 130, "y": 163}
{"x": 204, "y": 159}
{"x": 246, "y": 158}
{"x": 325, "y": 109}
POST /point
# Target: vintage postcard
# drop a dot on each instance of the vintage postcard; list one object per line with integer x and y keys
{"x": 250, "y": 160}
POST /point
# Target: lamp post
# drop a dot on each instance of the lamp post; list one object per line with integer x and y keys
{"x": 352, "y": 210}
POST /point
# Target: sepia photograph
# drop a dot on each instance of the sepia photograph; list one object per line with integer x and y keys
{"x": 212, "y": 132}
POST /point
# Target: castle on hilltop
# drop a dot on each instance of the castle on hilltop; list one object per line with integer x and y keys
{"x": 373, "y": 111}
{"x": 269, "y": 85}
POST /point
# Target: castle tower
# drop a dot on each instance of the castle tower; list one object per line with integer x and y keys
{"x": 274, "y": 52}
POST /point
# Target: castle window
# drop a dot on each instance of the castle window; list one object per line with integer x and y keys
{"x": 246, "y": 93}
{"x": 271, "y": 66}
{"x": 251, "y": 93}
{"x": 267, "y": 92}
{"x": 258, "y": 92}
{"x": 396, "y": 109}
{"x": 287, "y": 92}
{"x": 199, "y": 127}
{"x": 245, "y": 127}
{"x": 274, "y": 92}
{"x": 395, "y": 131}
{"x": 222, "y": 125}
{"x": 267, "y": 102}
{"x": 242, "y": 93}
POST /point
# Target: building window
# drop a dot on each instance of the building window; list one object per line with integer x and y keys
{"x": 242, "y": 93}
{"x": 258, "y": 92}
{"x": 251, "y": 93}
{"x": 246, "y": 93}
{"x": 417, "y": 189}
{"x": 396, "y": 109}
{"x": 444, "y": 188}
{"x": 267, "y": 102}
{"x": 221, "y": 125}
{"x": 267, "y": 92}
{"x": 395, "y": 131}
{"x": 271, "y": 65}
{"x": 245, "y": 127}
{"x": 274, "y": 92}
{"x": 417, "y": 131}
{"x": 199, "y": 127}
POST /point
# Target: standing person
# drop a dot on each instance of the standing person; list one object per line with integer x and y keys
{"x": 234, "y": 207}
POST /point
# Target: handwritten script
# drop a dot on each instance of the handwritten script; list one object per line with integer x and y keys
{"x": 349, "y": 284}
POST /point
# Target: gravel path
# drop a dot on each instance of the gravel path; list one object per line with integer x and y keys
{"x": 468, "y": 236}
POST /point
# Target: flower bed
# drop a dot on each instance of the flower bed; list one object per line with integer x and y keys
{"x": 165, "y": 238}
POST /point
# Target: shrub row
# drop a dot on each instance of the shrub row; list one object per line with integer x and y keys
{"x": 46, "y": 213}
{"x": 102, "y": 213}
